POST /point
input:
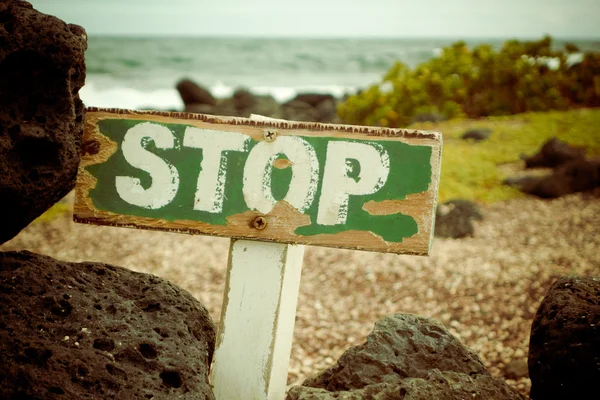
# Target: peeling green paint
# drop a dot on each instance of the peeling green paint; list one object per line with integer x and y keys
{"x": 410, "y": 173}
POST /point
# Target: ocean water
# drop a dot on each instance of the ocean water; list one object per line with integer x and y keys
{"x": 142, "y": 72}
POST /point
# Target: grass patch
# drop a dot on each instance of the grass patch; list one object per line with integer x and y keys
{"x": 471, "y": 170}
{"x": 54, "y": 212}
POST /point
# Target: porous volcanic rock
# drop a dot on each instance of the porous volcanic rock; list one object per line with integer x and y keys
{"x": 42, "y": 68}
{"x": 88, "y": 330}
{"x": 554, "y": 153}
{"x": 564, "y": 347}
{"x": 406, "y": 357}
{"x": 454, "y": 219}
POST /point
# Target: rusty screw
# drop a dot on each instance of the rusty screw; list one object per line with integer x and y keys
{"x": 260, "y": 223}
{"x": 270, "y": 135}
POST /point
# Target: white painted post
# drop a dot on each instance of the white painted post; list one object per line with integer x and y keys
{"x": 257, "y": 321}
{"x": 254, "y": 342}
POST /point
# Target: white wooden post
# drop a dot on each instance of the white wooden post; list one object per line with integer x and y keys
{"x": 257, "y": 321}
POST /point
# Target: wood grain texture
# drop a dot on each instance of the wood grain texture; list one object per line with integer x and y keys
{"x": 257, "y": 321}
{"x": 283, "y": 219}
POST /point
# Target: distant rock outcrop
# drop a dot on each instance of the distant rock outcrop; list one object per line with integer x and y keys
{"x": 74, "y": 331}
{"x": 245, "y": 103}
{"x": 243, "y": 99}
{"x": 191, "y": 93}
{"x": 410, "y": 358}
{"x": 297, "y": 110}
{"x": 42, "y": 68}
{"x": 553, "y": 153}
{"x": 477, "y": 134}
{"x": 572, "y": 172}
{"x": 327, "y": 111}
{"x": 313, "y": 99}
{"x": 570, "y": 177}
{"x": 306, "y": 107}
{"x": 564, "y": 348}
{"x": 454, "y": 219}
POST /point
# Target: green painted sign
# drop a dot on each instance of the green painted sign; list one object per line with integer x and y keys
{"x": 177, "y": 171}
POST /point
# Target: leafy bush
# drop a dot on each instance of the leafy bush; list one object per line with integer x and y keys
{"x": 521, "y": 77}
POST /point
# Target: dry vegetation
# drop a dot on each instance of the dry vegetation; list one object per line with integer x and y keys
{"x": 485, "y": 289}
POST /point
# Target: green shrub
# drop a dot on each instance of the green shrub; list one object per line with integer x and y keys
{"x": 473, "y": 83}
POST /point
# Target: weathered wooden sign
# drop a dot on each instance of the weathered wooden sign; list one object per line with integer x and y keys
{"x": 298, "y": 183}
{"x": 275, "y": 181}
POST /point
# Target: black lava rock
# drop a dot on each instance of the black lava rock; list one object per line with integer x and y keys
{"x": 75, "y": 331}
{"x": 42, "y": 68}
{"x": 410, "y": 358}
{"x": 564, "y": 347}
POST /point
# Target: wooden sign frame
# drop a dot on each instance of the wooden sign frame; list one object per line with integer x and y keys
{"x": 281, "y": 223}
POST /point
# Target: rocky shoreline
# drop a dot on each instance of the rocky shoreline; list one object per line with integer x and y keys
{"x": 313, "y": 107}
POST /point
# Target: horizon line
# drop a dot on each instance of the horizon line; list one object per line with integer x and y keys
{"x": 340, "y": 37}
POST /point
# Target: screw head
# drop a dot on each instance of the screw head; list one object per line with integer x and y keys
{"x": 270, "y": 135}
{"x": 260, "y": 223}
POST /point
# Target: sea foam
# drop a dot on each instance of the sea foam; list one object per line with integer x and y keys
{"x": 94, "y": 94}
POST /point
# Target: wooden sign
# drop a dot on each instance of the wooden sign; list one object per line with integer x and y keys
{"x": 270, "y": 180}
{"x": 298, "y": 183}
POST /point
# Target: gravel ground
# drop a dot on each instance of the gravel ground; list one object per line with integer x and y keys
{"x": 485, "y": 289}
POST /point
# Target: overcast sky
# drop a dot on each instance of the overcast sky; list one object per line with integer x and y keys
{"x": 332, "y": 18}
